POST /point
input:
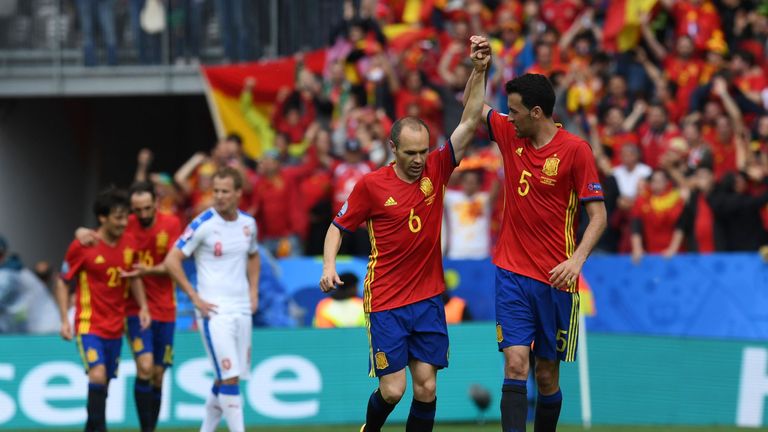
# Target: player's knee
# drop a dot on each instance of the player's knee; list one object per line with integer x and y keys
{"x": 144, "y": 367}
{"x": 546, "y": 380}
{"x": 97, "y": 375}
{"x": 516, "y": 367}
{"x": 157, "y": 376}
{"x": 425, "y": 391}
{"x": 392, "y": 392}
{"x": 231, "y": 381}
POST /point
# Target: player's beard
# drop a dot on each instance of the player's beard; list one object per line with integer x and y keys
{"x": 146, "y": 222}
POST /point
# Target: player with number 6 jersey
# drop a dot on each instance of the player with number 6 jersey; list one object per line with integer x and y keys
{"x": 402, "y": 205}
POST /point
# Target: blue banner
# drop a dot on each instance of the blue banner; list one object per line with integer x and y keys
{"x": 716, "y": 296}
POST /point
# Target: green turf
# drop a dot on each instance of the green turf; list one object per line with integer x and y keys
{"x": 465, "y": 428}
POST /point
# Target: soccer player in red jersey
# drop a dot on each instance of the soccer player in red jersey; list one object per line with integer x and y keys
{"x": 100, "y": 277}
{"x": 549, "y": 171}
{"x": 154, "y": 233}
{"x": 402, "y": 204}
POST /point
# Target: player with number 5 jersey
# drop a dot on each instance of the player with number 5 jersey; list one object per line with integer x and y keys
{"x": 402, "y": 206}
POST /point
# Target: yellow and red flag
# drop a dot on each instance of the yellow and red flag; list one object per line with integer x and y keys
{"x": 234, "y": 112}
{"x": 622, "y": 23}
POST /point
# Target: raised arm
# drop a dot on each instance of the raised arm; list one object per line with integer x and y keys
{"x": 474, "y": 96}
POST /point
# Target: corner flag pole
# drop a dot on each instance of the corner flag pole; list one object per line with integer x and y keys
{"x": 583, "y": 358}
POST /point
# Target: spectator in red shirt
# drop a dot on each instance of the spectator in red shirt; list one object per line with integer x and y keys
{"x": 346, "y": 174}
{"x": 655, "y": 216}
{"x": 697, "y": 224}
{"x": 277, "y": 208}
{"x": 655, "y": 134}
{"x": 560, "y": 14}
{"x": 697, "y": 19}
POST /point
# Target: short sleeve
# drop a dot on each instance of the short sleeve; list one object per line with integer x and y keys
{"x": 584, "y": 172}
{"x": 190, "y": 239}
{"x": 253, "y": 246}
{"x": 500, "y": 131}
{"x": 445, "y": 160}
{"x": 73, "y": 260}
{"x": 356, "y": 209}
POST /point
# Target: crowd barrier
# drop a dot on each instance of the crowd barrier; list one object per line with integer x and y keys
{"x": 308, "y": 376}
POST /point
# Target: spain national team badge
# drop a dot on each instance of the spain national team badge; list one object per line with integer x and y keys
{"x": 381, "y": 360}
{"x": 226, "y": 364}
{"x": 499, "y": 333}
{"x": 217, "y": 249}
{"x": 426, "y": 186}
{"x": 128, "y": 256}
{"x": 138, "y": 344}
{"x": 99, "y": 260}
{"x": 550, "y": 166}
{"x": 92, "y": 355}
{"x": 161, "y": 242}
{"x": 246, "y": 231}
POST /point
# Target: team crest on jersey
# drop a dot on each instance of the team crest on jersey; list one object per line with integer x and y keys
{"x": 246, "y": 231}
{"x": 161, "y": 242}
{"x": 226, "y": 364}
{"x": 218, "y": 249}
{"x": 381, "y": 360}
{"x": 426, "y": 186}
{"x": 550, "y": 166}
{"x": 519, "y": 151}
{"x": 128, "y": 256}
{"x": 99, "y": 260}
{"x": 92, "y": 355}
{"x": 499, "y": 333}
{"x": 137, "y": 344}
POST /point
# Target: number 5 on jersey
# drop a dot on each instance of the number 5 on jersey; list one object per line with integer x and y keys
{"x": 524, "y": 187}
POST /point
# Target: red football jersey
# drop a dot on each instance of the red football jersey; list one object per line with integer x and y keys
{"x": 100, "y": 292}
{"x": 542, "y": 192}
{"x": 152, "y": 244}
{"x": 404, "y": 221}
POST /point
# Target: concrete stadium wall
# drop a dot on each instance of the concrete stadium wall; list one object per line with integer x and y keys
{"x": 55, "y": 154}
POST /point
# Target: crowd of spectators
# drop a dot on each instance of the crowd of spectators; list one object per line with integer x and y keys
{"x": 677, "y": 123}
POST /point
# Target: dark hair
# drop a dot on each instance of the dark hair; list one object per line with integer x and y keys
{"x": 109, "y": 200}
{"x": 535, "y": 90}
{"x": 227, "y": 171}
{"x": 142, "y": 187}
{"x": 411, "y": 122}
{"x": 235, "y": 137}
{"x": 745, "y": 55}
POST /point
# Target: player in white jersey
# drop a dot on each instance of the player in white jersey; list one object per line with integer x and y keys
{"x": 222, "y": 240}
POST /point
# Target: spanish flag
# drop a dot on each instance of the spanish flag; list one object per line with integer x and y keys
{"x": 248, "y": 114}
{"x": 622, "y": 23}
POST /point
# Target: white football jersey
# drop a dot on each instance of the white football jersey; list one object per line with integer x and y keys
{"x": 221, "y": 249}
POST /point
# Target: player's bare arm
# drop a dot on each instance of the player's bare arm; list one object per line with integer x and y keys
{"x": 480, "y": 45}
{"x": 474, "y": 97}
{"x": 137, "y": 290}
{"x": 176, "y": 271}
{"x": 330, "y": 278}
{"x": 62, "y": 301}
{"x": 254, "y": 271}
{"x": 567, "y": 272}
